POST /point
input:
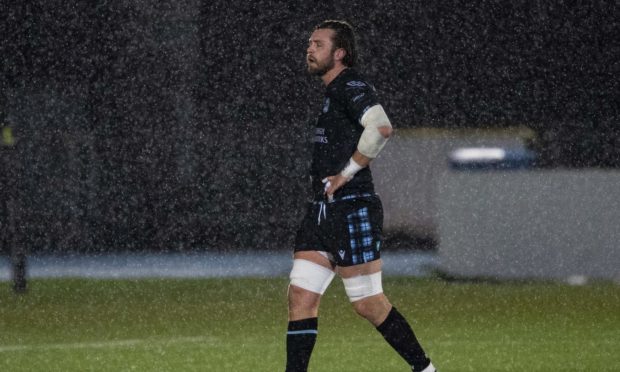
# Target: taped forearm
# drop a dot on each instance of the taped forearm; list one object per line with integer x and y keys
{"x": 351, "y": 169}
{"x": 372, "y": 140}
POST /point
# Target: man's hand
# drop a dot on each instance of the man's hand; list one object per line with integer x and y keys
{"x": 332, "y": 184}
{"x": 335, "y": 182}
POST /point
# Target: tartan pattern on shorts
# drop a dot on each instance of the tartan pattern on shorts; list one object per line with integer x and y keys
{"x": 360, "y": 235}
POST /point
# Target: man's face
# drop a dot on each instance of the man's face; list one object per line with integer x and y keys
{"x": 320, "y": 53}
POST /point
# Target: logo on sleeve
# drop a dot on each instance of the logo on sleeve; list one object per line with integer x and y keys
{"x": 356, "y": 83}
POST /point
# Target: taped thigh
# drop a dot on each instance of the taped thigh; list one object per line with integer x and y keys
{"x": 311, "y": 276}
{"x": 362, "y": 286}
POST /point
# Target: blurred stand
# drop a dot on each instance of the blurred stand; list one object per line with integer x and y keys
{"x": 140, "y": 124}
{"x": 408, "y": 172}
{"x": 18, "y": 260}
{"x": 512, "y": 222}
{"x": 9, "y": 227}
{"x": 205, "y": 264}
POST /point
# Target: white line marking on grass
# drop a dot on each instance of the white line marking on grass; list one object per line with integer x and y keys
{"x": 108, "y": 344}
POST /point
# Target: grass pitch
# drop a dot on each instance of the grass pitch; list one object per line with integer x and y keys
{"x": 239, "y": 325}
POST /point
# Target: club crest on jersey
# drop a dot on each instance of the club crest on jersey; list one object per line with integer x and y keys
{"x": 326, "y": 105}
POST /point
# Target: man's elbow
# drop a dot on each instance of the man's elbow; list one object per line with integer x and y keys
{"x": 385, "y": 131}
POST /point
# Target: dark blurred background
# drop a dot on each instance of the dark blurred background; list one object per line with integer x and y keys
{"x": 182, "y": 125}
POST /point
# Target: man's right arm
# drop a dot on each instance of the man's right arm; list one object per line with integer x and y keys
{"x": 377, "y": 131}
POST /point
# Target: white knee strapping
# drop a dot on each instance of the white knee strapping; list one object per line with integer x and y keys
{"x": 311, "y": 276}
{"x": 363, "y": 286}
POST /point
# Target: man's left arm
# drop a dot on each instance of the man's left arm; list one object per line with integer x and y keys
{"x": 377, "y": 131}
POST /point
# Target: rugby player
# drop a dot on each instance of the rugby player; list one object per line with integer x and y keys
{"x": 342, "y": 228}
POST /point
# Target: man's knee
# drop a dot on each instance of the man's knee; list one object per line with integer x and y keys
{"x": 299, "y": 297}
{"x": 309, "y": 281}
{"x": 375, "y": 309}
{"x": 366, "y": 295}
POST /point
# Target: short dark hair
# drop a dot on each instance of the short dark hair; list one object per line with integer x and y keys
{"x": 344, "y": 37}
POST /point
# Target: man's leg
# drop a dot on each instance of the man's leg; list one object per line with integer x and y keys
{"x": 310, "y": 277}
{"x": 364, "y": 288}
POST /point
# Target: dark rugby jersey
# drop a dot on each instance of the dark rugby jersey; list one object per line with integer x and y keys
{"x": 338, "y": 130}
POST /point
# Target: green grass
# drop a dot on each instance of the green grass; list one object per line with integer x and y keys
{"x": 239, "y": 325}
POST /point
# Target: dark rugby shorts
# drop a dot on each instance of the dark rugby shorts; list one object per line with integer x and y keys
{"x": 350, "y": 228}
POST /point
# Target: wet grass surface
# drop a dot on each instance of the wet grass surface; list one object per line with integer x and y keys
{"x": 239, "y": 325}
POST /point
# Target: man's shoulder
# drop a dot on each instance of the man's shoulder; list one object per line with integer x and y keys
{"x": 352, "y": 78}
{"x": 349, "y": 81}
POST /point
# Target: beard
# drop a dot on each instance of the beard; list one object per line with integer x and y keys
{"x": 320, "y": 68}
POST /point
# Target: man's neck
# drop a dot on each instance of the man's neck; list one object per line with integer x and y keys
{"x": 330, "y": 75}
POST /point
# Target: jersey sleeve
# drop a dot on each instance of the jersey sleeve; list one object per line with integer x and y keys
{"x": 359, "y": 96}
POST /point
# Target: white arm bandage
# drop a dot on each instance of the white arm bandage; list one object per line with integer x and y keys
{"x": 349, "y": 171}
{"x": 371, "y": 142}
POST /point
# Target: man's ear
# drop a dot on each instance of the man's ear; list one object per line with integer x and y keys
{"x": 339, "y": 54}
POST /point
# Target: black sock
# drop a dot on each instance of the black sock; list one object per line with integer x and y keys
{"x": 400, "y": 336}
{"x": 300, "y": 340}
